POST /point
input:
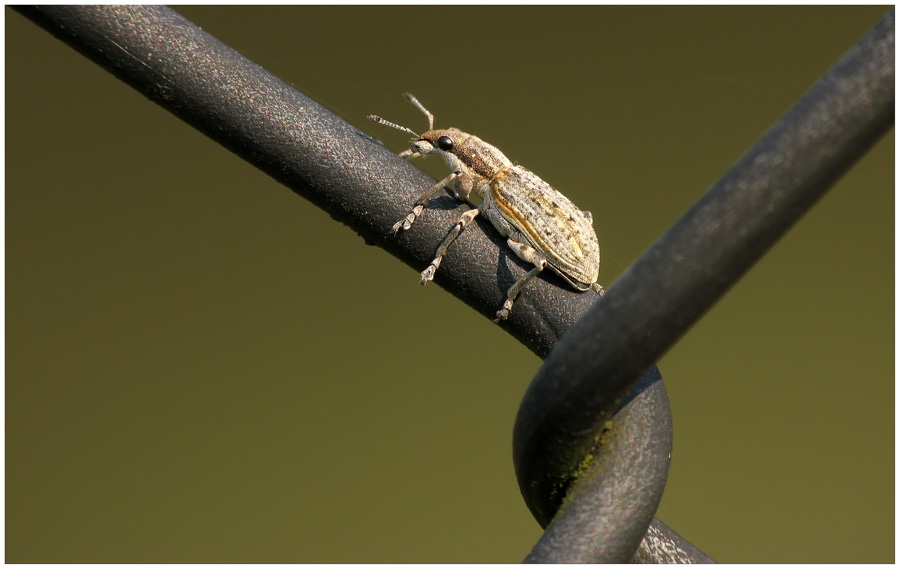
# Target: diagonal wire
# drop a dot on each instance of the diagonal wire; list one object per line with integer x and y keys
{"x": 324, "y": 159}
{"x": 315, "y": 153}
{"x": 365, "y": 186}
{"x": 680, "y": 277}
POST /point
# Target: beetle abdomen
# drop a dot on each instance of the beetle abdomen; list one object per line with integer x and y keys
{"x": 552, "y": 223}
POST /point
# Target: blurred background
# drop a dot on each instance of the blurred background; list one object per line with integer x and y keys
{"x": 190, "y": 379}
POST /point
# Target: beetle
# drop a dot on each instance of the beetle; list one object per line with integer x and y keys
{"x": 542, "y": 227}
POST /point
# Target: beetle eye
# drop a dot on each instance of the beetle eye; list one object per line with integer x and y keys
{"x": 445, "y": 143}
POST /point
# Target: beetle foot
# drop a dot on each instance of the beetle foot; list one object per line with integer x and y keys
{"x": 407, "y": 221}
{"x": 503, "y": 313}
{"x": 428, "y": 274}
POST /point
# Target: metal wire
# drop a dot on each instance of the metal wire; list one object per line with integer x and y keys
{"x": 315, "y": 153}
{"x": 365, "y": 186}
{"x": 680, "y": 277}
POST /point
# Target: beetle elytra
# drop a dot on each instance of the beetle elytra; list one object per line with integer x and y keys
{"x": 541, "y": 225}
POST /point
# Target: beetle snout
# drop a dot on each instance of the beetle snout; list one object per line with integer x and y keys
{"x": 422, "y": 147}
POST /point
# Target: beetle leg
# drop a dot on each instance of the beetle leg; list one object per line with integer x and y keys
{"x": 464, "y": 220}
{"x": 530, "y": 255}
{"x": 420, "y": 204}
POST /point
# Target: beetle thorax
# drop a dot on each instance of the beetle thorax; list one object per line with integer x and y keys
{"x": 465, "y": 152}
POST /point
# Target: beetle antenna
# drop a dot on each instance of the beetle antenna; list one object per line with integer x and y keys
{"x": 380, "y": 120}
{"x": 416, "y": 102}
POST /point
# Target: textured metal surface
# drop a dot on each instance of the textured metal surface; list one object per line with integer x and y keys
{"x": 662, "y": 545}
{"x": 606, "y": 510}
{"x": 315, "y": 153}
{"x": 318, "y": 155}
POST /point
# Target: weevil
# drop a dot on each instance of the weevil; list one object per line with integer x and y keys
{"x": 542, "y": 227}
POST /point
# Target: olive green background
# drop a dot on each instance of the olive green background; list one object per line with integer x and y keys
{"x": 203, "y": 367}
